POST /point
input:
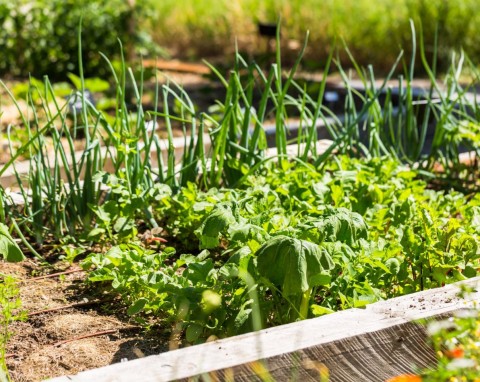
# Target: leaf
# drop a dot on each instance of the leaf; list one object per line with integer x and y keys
{"x": 475, "y": 222}
{"x": 243, "y": 315}
{"x": 198, "y": 272}
{"x": 340, "y": 252}
{"x": 393, "y": 265}
{"x": 8, "y": 247}
{"x": 96, "y": 85}
{"x": 193, "y": 332}
{"x": 318, "y": 310}
{"x": 101, "y": 212}
{"x": 469, "y": 271}
{"x": 242, "y": 233}
{"x": 96, "y": 232}
{"x": 209, "y": 242}
{"x": 229, "y": 271}
{"x": 137, "y": 307}
{"x": 123, "y": 225}
{"x": 320, "y": 280}
{"x": 342, "y": 225}
{"x": 214, "y": 224}
{"x": 115, "y": 255}
{"x": 292, "y": 263}
{"x": 77, "y": 81}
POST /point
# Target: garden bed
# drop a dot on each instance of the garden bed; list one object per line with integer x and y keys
{"x": 372, "y": 344}
{"x": 217, "y": 233}
{"x": 72, "y": 329}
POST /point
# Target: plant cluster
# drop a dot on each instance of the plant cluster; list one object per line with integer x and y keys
{"x": 224, "y": 145}
{"x": 456, "y": 342}
{"x": 254, "y": 240}
{"x": 293, "y": 243}
{"x": 40, "y": 37}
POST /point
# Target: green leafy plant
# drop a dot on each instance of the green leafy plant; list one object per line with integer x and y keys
{"x": 53, "y": 26}
{"x": 305, "y": 242}
{"x": 116, "y": 216}
{"x": 455, "y": 342}
{"x": 360, "y": 222}
{"x": 296, "y": 266}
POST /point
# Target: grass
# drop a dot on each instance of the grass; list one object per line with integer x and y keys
{"x": 375, "y": 32}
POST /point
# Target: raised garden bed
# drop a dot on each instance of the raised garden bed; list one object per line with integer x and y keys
{"x": 372, "y": 344}
{"x": 216, "y": 237}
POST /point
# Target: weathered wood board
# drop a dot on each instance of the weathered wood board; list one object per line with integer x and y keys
{"x": 369, "y": 344}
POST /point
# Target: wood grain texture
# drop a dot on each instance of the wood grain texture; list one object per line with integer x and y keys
{"x": 369, "y": 344}
{"x": 370, "y": 357}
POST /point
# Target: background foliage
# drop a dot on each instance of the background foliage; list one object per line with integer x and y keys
{"x": 374, "y": 31}
{"x": 40, "y": 37}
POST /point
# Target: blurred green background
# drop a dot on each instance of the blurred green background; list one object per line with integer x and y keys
{"x": 40, "y": 37}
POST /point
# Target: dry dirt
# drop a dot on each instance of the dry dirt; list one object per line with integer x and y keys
{"x": 91, "y": 334}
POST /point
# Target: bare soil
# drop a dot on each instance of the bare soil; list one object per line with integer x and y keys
{"x": 59, "y": 339}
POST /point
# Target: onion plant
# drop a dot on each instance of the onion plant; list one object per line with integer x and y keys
{"x": 223, "y": 146}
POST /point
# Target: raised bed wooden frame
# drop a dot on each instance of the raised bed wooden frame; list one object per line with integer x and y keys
{"x": 371, "y": 344}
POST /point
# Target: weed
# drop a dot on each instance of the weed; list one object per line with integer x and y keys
{"x": 10, "y": 311}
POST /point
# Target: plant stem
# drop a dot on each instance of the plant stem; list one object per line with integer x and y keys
{"x": 303, "y": 313}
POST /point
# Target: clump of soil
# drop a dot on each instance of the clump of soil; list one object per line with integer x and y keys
{"x": 70, "y": 328}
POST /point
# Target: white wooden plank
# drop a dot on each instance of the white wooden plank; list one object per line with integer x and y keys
{"x": 286, "y": 339}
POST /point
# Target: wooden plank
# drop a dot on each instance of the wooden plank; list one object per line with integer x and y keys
{"x": 177, "y": 66}
{"x": 369, "y": 344}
